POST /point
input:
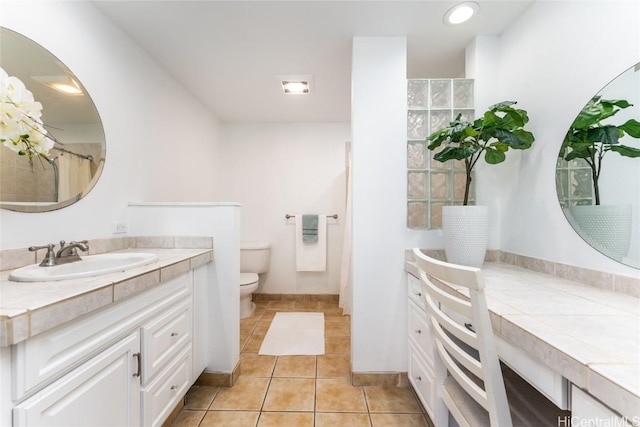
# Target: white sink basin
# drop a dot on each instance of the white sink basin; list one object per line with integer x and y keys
{"x": 91, "y": 265}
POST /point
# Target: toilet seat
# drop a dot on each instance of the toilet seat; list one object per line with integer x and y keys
{"x": 247, "y": 279}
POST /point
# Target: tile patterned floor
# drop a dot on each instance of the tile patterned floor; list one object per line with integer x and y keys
{"x": 298, "y": 391}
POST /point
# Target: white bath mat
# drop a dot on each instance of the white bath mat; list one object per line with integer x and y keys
{"x": 293, "y": 334}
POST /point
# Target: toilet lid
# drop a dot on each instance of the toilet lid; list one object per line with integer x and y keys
{"x": 248, "y": 278}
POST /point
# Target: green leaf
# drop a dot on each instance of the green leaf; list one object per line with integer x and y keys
{"x": 605, "y": 134}
{"x": 493, "y": 156}
{"x": 502, "y": 104}
{"x": 511, "y": 139}
{"x": 631, "y": 127}
{"x": 500, "y": 146}
{"x": 623, "y": 150}
{"x": 454, "y": 153}
{"x": 620, "y": 103}
{"x": 490, "y": 119}
{"x": 512, "y": 119}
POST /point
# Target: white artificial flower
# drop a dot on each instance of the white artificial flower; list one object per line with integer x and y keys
{"x": 21, "y": 127}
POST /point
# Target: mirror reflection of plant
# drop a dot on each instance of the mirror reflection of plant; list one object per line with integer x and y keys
{"x": 501, "y": 127}
{"x": 590, "y": 139}
{"x": 21, "y": 127}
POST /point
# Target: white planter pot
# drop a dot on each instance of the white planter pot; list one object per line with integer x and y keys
{"x": 466, "y": 234}
{"x": 605, "y": 227}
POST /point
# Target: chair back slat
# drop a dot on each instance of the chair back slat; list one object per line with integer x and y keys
{"x": 476, "y": 392}
{"x": 466, "y": 356}
{"x": 461, "y": 356}
{"x": 452, "y": 302}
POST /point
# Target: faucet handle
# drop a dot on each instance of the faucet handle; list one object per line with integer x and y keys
{"x": 49, "y": 259}
{"x": 83, "y": 245}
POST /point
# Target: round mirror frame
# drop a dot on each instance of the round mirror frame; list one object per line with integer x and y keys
{"x": 609, "y": 228}
{"x": 79, "y": 111}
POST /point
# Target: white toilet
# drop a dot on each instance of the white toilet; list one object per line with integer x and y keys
{"x": 254, "y": 260}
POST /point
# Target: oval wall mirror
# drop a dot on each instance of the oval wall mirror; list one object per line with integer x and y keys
{"x": 72, "y": 167}
{"x": 598, "y": 170}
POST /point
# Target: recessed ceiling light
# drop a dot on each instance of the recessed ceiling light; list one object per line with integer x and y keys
{"x": 295, "y": 86}
{"x": 461, "y": 13}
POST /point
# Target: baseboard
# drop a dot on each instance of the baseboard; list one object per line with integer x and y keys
{"x": 295, "y": 297}
{"x": 219, "y": 379}
{"x": 382, "y": 379}
{"x": 174, "y": 413}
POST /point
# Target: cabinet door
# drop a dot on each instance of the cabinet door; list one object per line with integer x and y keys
{"x": 103, "y": 391}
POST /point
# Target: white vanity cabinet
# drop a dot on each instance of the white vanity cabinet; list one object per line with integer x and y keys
{"x": 421, "y": 351}
{"x": 127, "y": 364}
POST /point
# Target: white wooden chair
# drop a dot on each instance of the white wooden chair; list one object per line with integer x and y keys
{"x": 469, "y": 382}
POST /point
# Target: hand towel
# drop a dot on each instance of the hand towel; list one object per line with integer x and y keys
{"x": 311, "y": 256}
{"x": 310, "y": 228}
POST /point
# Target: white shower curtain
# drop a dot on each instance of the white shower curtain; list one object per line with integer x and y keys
{"x": 344, "y": 301}
{"x": 74, "y": 174}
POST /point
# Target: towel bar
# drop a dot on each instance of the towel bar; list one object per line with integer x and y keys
{"x": 334, "y": 216}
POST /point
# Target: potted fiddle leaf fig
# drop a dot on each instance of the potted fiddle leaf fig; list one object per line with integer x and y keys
{"x": 590, "y": 139}
{"x": 491, "y": 136}
{"x": 501, "y": 127}
{"x": 606, "y": 227}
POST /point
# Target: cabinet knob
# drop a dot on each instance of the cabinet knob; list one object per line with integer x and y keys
{"x": 174, "y": 387}
{"x": 419, "y": 378}
{"x": 419, "y": 294}
{"x": 418, "y": 331}
{"x": 174, "y": 334}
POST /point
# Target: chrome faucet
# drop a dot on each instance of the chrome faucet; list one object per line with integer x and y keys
{"x": 69, "y": 253}
{"x": 64, "y": 255}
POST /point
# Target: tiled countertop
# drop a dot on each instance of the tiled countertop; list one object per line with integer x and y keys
{"x": 588, "y": 335}
{"x": 30, "y": 308}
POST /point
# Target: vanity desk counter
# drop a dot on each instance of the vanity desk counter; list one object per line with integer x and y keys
{"x": 31, "y": 308}
{"x": 588, "y": 335}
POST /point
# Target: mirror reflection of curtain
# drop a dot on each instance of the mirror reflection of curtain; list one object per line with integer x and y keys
{"x": 74, "y": 175}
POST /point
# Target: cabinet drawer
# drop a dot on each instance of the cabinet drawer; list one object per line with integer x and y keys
{"x": 163, "y": 338}
{"x": 49, "y": 355}
{"x": 551, "y": 384}
{"x": 164, "y": 392}
{"x": 415, "y": 291}
{"x": 422, "y": 378}
{"x": 585, "y": 410}
{"x": 420, "y": 333}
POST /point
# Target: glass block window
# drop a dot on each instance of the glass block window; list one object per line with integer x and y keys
{"x": 432, "y": 104}
{"x": 573, "y": 183}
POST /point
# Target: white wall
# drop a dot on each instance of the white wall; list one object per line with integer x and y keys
{"x": 379, "y": 134}
{"x": 156, "y": 133}
{"x": 552, "y": 61}
{"x": 279, "y": 169}
{"x": 222, "y": 222}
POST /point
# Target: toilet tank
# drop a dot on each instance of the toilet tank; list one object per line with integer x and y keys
{"x": 254, "y": 257}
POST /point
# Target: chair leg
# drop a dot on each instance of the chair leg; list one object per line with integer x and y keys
{"x": 442, "y": 414}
